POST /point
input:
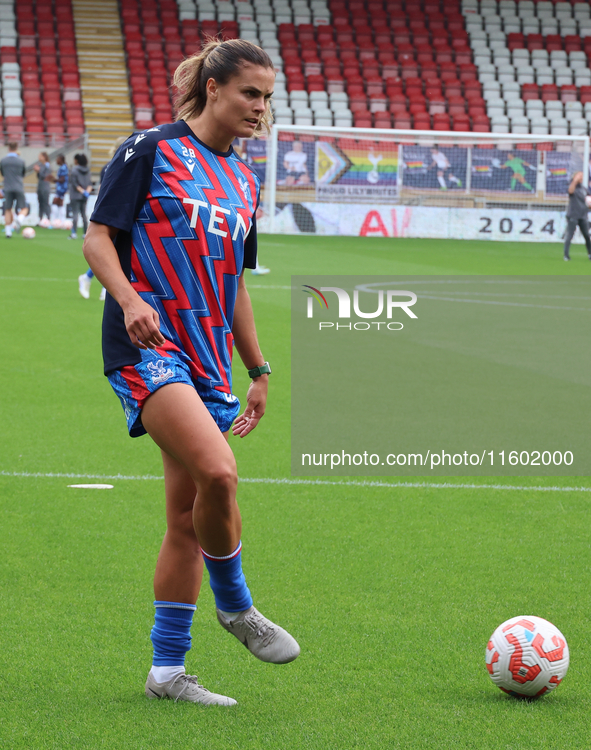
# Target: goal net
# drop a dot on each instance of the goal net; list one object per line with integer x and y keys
{"x": 394, "y": 183}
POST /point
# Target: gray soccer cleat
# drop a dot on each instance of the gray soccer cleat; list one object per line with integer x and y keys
{"x": 267, "y": 641}
{"x": 185, "y": 687}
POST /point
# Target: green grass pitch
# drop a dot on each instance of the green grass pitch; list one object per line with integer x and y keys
{"x": 391, "y": 592}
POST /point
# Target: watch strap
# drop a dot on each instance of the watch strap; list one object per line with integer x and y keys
{"x": 261, "y": 370}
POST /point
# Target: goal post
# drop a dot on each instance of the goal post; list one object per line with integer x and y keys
{"x": 457, "y": 185}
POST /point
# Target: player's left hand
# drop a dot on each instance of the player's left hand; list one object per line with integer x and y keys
{"x": 256, "y": 401}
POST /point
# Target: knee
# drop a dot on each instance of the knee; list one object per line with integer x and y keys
{"x": 220, "y": 480}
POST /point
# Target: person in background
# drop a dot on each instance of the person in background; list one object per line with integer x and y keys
{"x": 58, "y": 210}
{"x": 85, "y": 279}
{"x": 577, "y": 214}
{"x": 295, "y": 165}
{"x": 43, "y": 169}
{"x": 80, "y": 188}
{"x": 13, "y": 170}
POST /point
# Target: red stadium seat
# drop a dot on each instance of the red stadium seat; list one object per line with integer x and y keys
{"x": 456, "y": 105}
{"x": 549, "y": 92}
{"x": 461, "y": 124}
{"x": 383, "y": 120}
{"x": 568, "y": 93}
{"x": 480, "y": 124}
{"x": 402, "y": 123}
{"x": 472, "y": 89}
{"x": 421, "y": 122}
{"x": 398, "y": 108}
{"x": 415, "y": 108}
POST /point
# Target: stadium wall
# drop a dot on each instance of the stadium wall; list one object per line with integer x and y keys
{"x": 344, "y": 219}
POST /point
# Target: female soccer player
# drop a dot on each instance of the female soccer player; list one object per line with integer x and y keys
{"x": 58, "y": 210}
{"x": 170, "y": 236}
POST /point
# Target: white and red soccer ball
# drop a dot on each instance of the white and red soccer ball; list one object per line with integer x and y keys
{"x": 28, "y": 233}
{"x": 527, "y": 656}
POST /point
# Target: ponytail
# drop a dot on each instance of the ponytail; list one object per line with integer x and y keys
{"x": 220, "y": 61}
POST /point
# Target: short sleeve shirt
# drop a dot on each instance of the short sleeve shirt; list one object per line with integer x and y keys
{"x": 61, "y": 188}
{"x": 13, "y": 170}
{"x": 187, "y": 229}
{"x": 516, "y": 165}
{"x": 577, "y": 208}
{"x": 441, "y": 160}
{"x": 296, "y": 161}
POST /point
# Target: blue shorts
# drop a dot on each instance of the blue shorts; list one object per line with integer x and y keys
{"x": 134, "y": 384}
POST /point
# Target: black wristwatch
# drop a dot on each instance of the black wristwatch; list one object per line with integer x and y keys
{"x": 256, "y": 371}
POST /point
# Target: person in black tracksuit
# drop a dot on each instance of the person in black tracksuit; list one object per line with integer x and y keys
{"x": 80, "y": 188}
{"x": 43, "y": 169}
{"x": 577, "y": 214}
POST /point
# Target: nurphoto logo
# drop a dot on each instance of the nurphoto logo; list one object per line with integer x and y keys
{"x": 388, "y": 300}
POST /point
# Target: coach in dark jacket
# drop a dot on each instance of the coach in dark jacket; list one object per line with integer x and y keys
{"x": 80, "y": 189}
{"x": 577, "y": 214}
{"x": 43, "y": 169}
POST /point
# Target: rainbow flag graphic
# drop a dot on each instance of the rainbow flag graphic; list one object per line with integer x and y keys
{"x": 558, "y": 172}
{"x": 482, "y": 168}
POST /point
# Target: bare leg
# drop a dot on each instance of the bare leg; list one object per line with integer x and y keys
{"x": 179, "y": 569}
{"x": 179, "y": 423}
{"x": 8, "y": 217}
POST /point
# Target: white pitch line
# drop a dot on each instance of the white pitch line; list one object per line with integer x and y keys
{"x": 28, "y": 278}
{"x": 272, "y": 480}
{"x": 266, "y": 286}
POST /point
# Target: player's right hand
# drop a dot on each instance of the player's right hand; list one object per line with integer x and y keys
{"x": 143, "y": 325}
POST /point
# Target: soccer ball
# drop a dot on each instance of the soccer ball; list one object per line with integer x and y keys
{"x": 57, "y": 224}
{"x": 527, "y": 656}
{"x": 588, "y": 201}
{"x": 28, "y": 233}
{"x": 67, "y": 224}
{"x": 496, "y": 162}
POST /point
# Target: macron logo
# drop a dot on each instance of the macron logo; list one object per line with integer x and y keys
{"x": 129, "y": 153}
{"x": 140, "y": 137}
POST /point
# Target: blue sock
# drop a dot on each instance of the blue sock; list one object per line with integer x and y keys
{"x": 90, "y": 274}
{"x": 171, "y": 634}
{"x": 227, "y": 581}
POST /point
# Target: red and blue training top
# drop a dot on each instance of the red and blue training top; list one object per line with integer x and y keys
{"x": 186, "y": 216}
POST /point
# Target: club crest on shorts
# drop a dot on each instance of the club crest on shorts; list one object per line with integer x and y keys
{"x": 159, "y": 373}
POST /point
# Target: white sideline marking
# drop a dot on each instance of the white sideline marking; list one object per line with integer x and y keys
{"x": 91, "y": 486}
{"x": 271, "y": 480}
{"x": 28, "y": 278}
